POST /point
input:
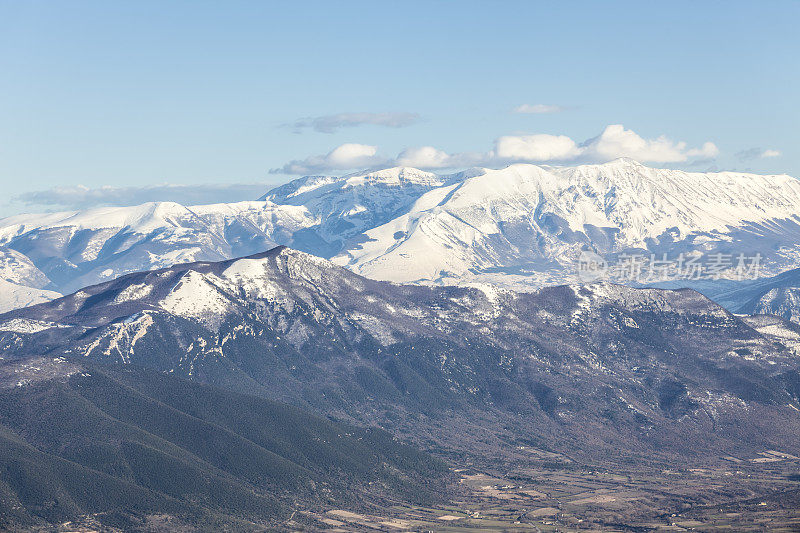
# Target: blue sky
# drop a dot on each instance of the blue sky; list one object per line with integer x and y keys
{"x": 115, "y": 102}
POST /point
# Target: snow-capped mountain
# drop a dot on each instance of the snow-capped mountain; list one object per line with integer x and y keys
{"x": 21, "y": 283}
{"x": 521, "y": 226}
{"x": 465, "y": 368}
{"x": 347, "y": 206}
{"x": 17, "y": 268}
{"x": 529, "y": 220}
{"x": 15, "y": 296}
{"x": 318, "y": 214}
{"x": 77, "y": 249}
{"x": 783, "y": 302}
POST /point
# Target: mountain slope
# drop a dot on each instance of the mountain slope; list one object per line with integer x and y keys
{"x": 78, "y": 249}
{"x": 21, "y": 283}
{"x": 347, "y": 206}
{"x": 599, "y": 371}
{"x": 529, "y": 220}
{"x": 80, "y": 439}
{"x": 14, "y": 296}
{"x": 778, "y": 295}
{"x": 522, "y": 226}
{"x": 18, "y": 269}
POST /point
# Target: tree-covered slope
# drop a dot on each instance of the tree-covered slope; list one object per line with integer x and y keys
{"x": 128, "y": 443}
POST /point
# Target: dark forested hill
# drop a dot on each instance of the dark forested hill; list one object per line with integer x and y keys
{"x": 125, "y": 444}
{"x": 598, "y": 371}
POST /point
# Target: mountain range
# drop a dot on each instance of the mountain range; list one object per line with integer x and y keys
{"x": 158, "y": 400}
{"x": 602, "y": 369}
{"x": 777, "y": 295}
{"x": 524, "y": 226}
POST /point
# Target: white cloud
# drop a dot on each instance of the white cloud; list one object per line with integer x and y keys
{"x": 349, "y": 155}
{"x": 538, "y": 109}
{"x": 343, "y": 157}
{"x": 615, "y": 141}
{"x": 332, "y": 123}
{"x": 429, "y": 157}
{"x": 539, "y": 147}
{"x": 424, "y": 157}
{"x": 709, "y": 150}
{"x": 771, "y": 153}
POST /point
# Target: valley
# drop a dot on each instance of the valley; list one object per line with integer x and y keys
{"x": 736, "y": 494}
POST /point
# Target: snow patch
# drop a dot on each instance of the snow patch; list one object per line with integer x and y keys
{"x": 27, "y": 325}
{"x": 196, "y": 296}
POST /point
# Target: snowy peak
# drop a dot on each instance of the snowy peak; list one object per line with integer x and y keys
{"x": 621, "y": 163}
{"x": 649, "y": 201}
{"x": 142, "y": 218}
{"x": 344, "y": 207}
{"x": 306, "y": 188}
{"x": 398, "y": 175}
{"x": 521, "y": 226}
{"x": 205, "y": 291}
{"x": 249, "y": 273}
{"x": 294, "y": 291}
{"x": 527, "y": 214}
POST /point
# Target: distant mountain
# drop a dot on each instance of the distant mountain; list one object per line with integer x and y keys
{"x": 77, "y": 249}
{"x": 528, "y": 223}
{"x": 15, "y": 296}
{"x": 778, "y": 295}
{"x": 523, "y": 226}
{"x": 21, "y": 283}
{"x": 599, "y": 371}
{"x": 130, "y": 448}
{"x": 317, "y": 214}
{"x": 783, "y": 302}
{"x": 348, "y": 206}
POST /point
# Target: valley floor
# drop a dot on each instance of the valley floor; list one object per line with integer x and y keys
{"x": 552, "y": 494}
{"x": 737, "y": 494}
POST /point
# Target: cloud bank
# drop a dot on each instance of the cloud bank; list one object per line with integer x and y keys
{"x": 616, "y": 141}
{"x": 332, "y": 123}
{"x": 80, "y": 197}
{"x": 613, "y": 142}
{"x": 541, "y": 147}
{"x": 343, "y": 157}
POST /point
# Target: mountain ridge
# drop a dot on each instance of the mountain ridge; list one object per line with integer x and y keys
{"x": 522, "y": 226}
{"x": 437, "y": 364}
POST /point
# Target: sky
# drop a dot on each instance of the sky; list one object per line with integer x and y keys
{"x": 117, "y": 103}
